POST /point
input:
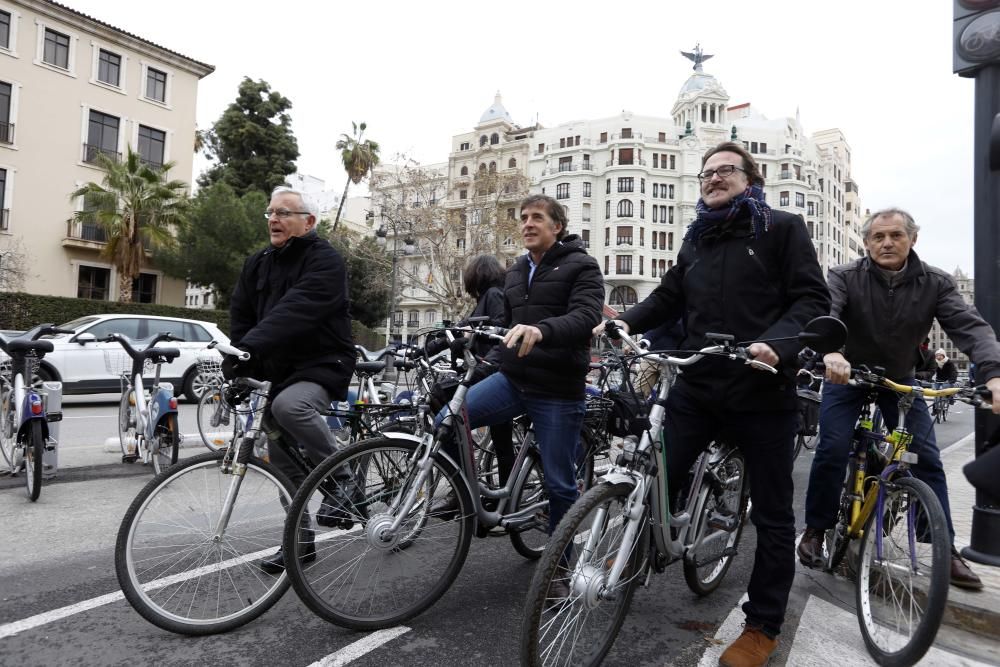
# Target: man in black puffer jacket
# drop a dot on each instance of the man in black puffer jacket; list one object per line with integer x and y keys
{"x": 552, "y": 299}
{"x": 290, "y": 310}
{"x": 749, "y": 271}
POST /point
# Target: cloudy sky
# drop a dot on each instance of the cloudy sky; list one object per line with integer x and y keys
{"x": 419, "y": 72}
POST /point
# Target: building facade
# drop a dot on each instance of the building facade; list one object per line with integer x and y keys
{"x": 629, "y": 182}
{"x": 939, "y": 340}
{"x": 73, "y": 87}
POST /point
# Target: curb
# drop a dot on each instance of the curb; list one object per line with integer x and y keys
{"x": 982, "y": 619}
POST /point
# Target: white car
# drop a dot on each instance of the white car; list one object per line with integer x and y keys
{"x": 84, "y": 366}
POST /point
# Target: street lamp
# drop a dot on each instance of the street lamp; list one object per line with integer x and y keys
{"x": 409, "y": 248}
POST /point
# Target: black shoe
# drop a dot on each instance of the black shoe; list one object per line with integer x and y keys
{"x": 445, "y": 508}
{"x": 342, "y": 506}
{"x": 276, "y": 563}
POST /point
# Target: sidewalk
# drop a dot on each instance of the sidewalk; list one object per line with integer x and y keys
{"x": 976, "y": 611}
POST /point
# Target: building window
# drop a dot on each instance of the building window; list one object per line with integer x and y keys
{"x": 607, "y": 187}
{"x": 4, "y": 213}
{"x": 464, "y": 171}
{"x": 624, "y": 236}
{"x": 811, "y": 209}
{"x": 800, "y": 200}
{"x": 93, "y": 283}
{"x": 586, "y": 189}
{"x": 397, "y": 318}
{"x": 465, "y": 146}
{"x": 152, "y": 146}
{"x": 55, "y": 49}
{"x": 6, "y": 127}
{"x": 606, "y": 264}
{"x": 642, "y": 209}
{"x": 483, "y": 140}
{"x": 623, "y": 265}
{"x": 655, "y": 216}
{"x": 566, "y": 163}
{"x": 670, "y": 192}
{"x": 463, "y": 194}
{"x": 763, "y": 170}
{"x": 156, "y": 85}
{"x": 673, "y": 161}
{"x": 662, "y": 137}
{"x": 670, "y": 241}
{"x": 109, "y": 67}
{"x": 494, "y": 138}
{"x": 562, "y": 191}
{"x": 642, "y": 186}
{"x": 624, "y": 156}
{"x": 626, "y": 133}
{"x": 763, "y": 147}
{"x": 102, "y": 137}
{"x": 512, "y": 163}
{"x": 656, "y": 188}
{"x": 670, "y": 210}
{"x": 144, "y": 289}
{"x": 623, "y": 295}
{"x": 607, "y": 209}
{"x": 511, "y": 214}
{"x": 493, "y": 167}
{"x": 783, "y": 198}
{"x": 656, "y": 160}
{"x": 585, "y": 236}
{"x": 626, "y": 184}
{"x": 430, "y": 317}
{"x": 604, "y": 140}
{"x": 5, "y": 30}
{"x": 625, "y": 208}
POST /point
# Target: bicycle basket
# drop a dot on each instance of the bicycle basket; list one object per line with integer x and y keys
{"x": 808, "y": 412}
{"x": 627, "y": 415}
{"x": 598, "y": 410}
{"x": 5, "y": 367}
{"x": 210, "y": 367}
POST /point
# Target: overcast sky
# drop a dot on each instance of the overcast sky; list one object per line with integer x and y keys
{"x": 419, "y": 72}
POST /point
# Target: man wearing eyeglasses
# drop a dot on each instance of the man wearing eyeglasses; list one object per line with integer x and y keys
{"x": 290, "y": 310}
{"x": 749, "y": 271}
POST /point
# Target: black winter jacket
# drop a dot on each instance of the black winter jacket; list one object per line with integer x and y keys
{"x": 886, "y": 322}
{"x": 564, "y": 301}
{"x": 730, "y": 283}
{"x": 946, "y": 372}
{"x": 291, "y": 309}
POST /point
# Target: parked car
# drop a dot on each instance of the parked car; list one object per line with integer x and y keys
{"x": 85, "y": 366}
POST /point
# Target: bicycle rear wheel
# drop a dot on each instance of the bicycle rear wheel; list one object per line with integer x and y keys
{"x": 836, "y": 540}
{"x": 902, "y": 583}
{"x": 8, "y": 432}
{"x": 215, "y": 419}
{"x": 365, "y": 576}
{"x": 723, "y": 508}
{"x": 34, "y": 449}
{"x": 126, "y": 422}
{"x": 165, "y": 443}
{"x": 170, "y": 566}
{"x": 579, "y": 629}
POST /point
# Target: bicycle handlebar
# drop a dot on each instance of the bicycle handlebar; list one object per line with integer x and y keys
{"x": 975, "y": 396}
{"x": 227, "y": 349}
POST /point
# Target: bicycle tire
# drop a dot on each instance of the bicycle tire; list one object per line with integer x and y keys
{"x": 165, "y": 443}
{"x": 166, "y": 597}
{"x": 548, "y": 620}
{"x": 881, "y": 633}
{"x": 730, "y": 480}
{"x": 529, "y": 489}
{"x": 348, "y": 584}
{"x": 8, "y": 432}
{"x": 836, "y": 540}
{"x": 34, "y": 450}
{"x": 126, "y": 423}
{"x": 209, "y": 410}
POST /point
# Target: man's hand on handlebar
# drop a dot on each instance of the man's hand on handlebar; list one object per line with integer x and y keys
{"x": 528, "y": 336}
{"x": 838, "y": 368}
{"x": 232, "y": 367}
{"x": 764, "y": 353}
{"x": 599, "y": 329}
{"x": 993, "y": 384}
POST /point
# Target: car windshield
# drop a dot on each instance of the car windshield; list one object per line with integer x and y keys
{"x": 78, "y": 322}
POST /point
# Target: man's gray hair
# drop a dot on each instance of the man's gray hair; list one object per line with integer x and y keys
{"x": 308, "y": 203}
{"x": 909, "y": 224}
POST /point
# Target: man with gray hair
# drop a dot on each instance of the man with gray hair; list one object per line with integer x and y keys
{"x": 888, "y": 300}
{"x": 290, "y": 311}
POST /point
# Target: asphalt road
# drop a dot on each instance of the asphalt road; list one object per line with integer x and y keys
{"x": 59, "y": 552}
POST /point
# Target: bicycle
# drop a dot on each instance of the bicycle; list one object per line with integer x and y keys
{"x": 24, "y": 422}
{"x": 395, "y": 554}
{"x": 902, "y": 572}
{"x": 939, "y": 409}
{"x": 186, "y": 550}
{"x": 623, "y": 529}
{"x": 147, "y": 423}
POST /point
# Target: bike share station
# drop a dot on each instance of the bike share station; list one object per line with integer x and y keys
{"x": 976, "y": 30}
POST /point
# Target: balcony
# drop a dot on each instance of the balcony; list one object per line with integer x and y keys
{"x": 90, "y": 152}
{"x": 6, "y": 133}
{"x": 612, "y": 163}
{"x": 85, "y": 235}
{"x": 626, "y": 136}
{"x": 412, "y": 324}
{"x": 4, "y": 219}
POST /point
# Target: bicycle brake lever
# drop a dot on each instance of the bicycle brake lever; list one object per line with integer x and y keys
{"x": 760, "y": 365}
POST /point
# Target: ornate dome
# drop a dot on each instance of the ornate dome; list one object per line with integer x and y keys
{"x": 699, "y": 82}
{"x": 496, "y": 112}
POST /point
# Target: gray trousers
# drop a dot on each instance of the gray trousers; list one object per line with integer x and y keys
{"x": 296, "y": 411}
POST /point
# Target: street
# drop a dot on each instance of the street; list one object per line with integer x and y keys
{"x": 61, "y": 603}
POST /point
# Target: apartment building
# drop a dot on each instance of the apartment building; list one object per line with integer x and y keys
{"x": 73, "y": 87}
{"x": 939, "y": 340}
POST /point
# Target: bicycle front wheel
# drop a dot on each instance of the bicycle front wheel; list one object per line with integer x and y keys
{"x": 34, "y": 449}
{"x": 166, "y": 441}
{"x": 344, "y": 560}
{"x": 172, "y": 567}
{"x": 8, "y": 432}
{"x": 530, "y": 539}
{"x": 580, "y": 628}
{"x": 902, "y": 583}
{"x": 215, "y": 419}
{"x": 126, "y": 423}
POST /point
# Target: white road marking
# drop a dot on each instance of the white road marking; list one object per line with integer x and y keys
{"x": 352, "y": 652}
{"x": 959, "y": 443}
{"x": 46, "y": 617}
{"x": 725, "y": 635}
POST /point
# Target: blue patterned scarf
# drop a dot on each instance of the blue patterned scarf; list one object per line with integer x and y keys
{"x": 752, "y": 199}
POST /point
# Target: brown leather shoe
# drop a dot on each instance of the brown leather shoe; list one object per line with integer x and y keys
{"x": 811, "y": 547}
{"x": 753, "y": 648}
{"x": 962, "y": 575}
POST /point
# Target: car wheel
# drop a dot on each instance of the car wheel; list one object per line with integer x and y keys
{"x": 195, "y": 384}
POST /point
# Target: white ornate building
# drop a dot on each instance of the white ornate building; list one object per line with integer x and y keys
{"x": 940, "y": 341}
{"x": 629, "y": 181}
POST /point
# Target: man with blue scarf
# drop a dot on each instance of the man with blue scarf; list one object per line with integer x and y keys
{"x": 750, "y": 271}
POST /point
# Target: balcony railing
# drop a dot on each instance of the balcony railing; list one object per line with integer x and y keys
{"x": 616, "y": 136}
{"x": 6, "y": 133}
{"x": 4, "y": 219}
{"x": 86, "y": 232}
{"x": 612, "y": 163}
{"x": 90, "y": 152}
{"x": 412, "y": 324}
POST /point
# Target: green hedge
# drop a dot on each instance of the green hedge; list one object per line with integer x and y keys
{"x": 20, "y": 311}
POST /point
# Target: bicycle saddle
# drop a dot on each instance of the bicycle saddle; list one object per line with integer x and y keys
{"x": 369, "y": 367}
{"x": 23, "y": 345}
{"x": 159, "y": 354}
{"x": 367, "y": 355}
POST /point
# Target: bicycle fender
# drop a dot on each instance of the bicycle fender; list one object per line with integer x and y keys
{"x": 24, "y": 428}
{"x": 618, "y": 477}
{"x": 159, "y": 408}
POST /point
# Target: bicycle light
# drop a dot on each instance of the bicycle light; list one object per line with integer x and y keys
{"x": 36, "y": 405}
{"x": 173, "y": 403}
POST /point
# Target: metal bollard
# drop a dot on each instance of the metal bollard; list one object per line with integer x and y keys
{"x": 53, "y": 405}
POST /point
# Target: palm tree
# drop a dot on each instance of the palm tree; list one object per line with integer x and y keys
{"x": 359, "y": 158}
{"x": 138, "y": 208}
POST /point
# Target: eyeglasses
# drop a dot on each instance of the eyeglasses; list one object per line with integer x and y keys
{"x": 725, "y": 171}
{"x": 283, "y": 213}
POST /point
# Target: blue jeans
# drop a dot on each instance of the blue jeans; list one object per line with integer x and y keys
{"x": 838, "y": 413}
{"x": 556, "y": 422}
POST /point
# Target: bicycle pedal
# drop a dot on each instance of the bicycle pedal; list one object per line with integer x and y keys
{"x": 725, "y": 522}
{"x": 130, "y": 458}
